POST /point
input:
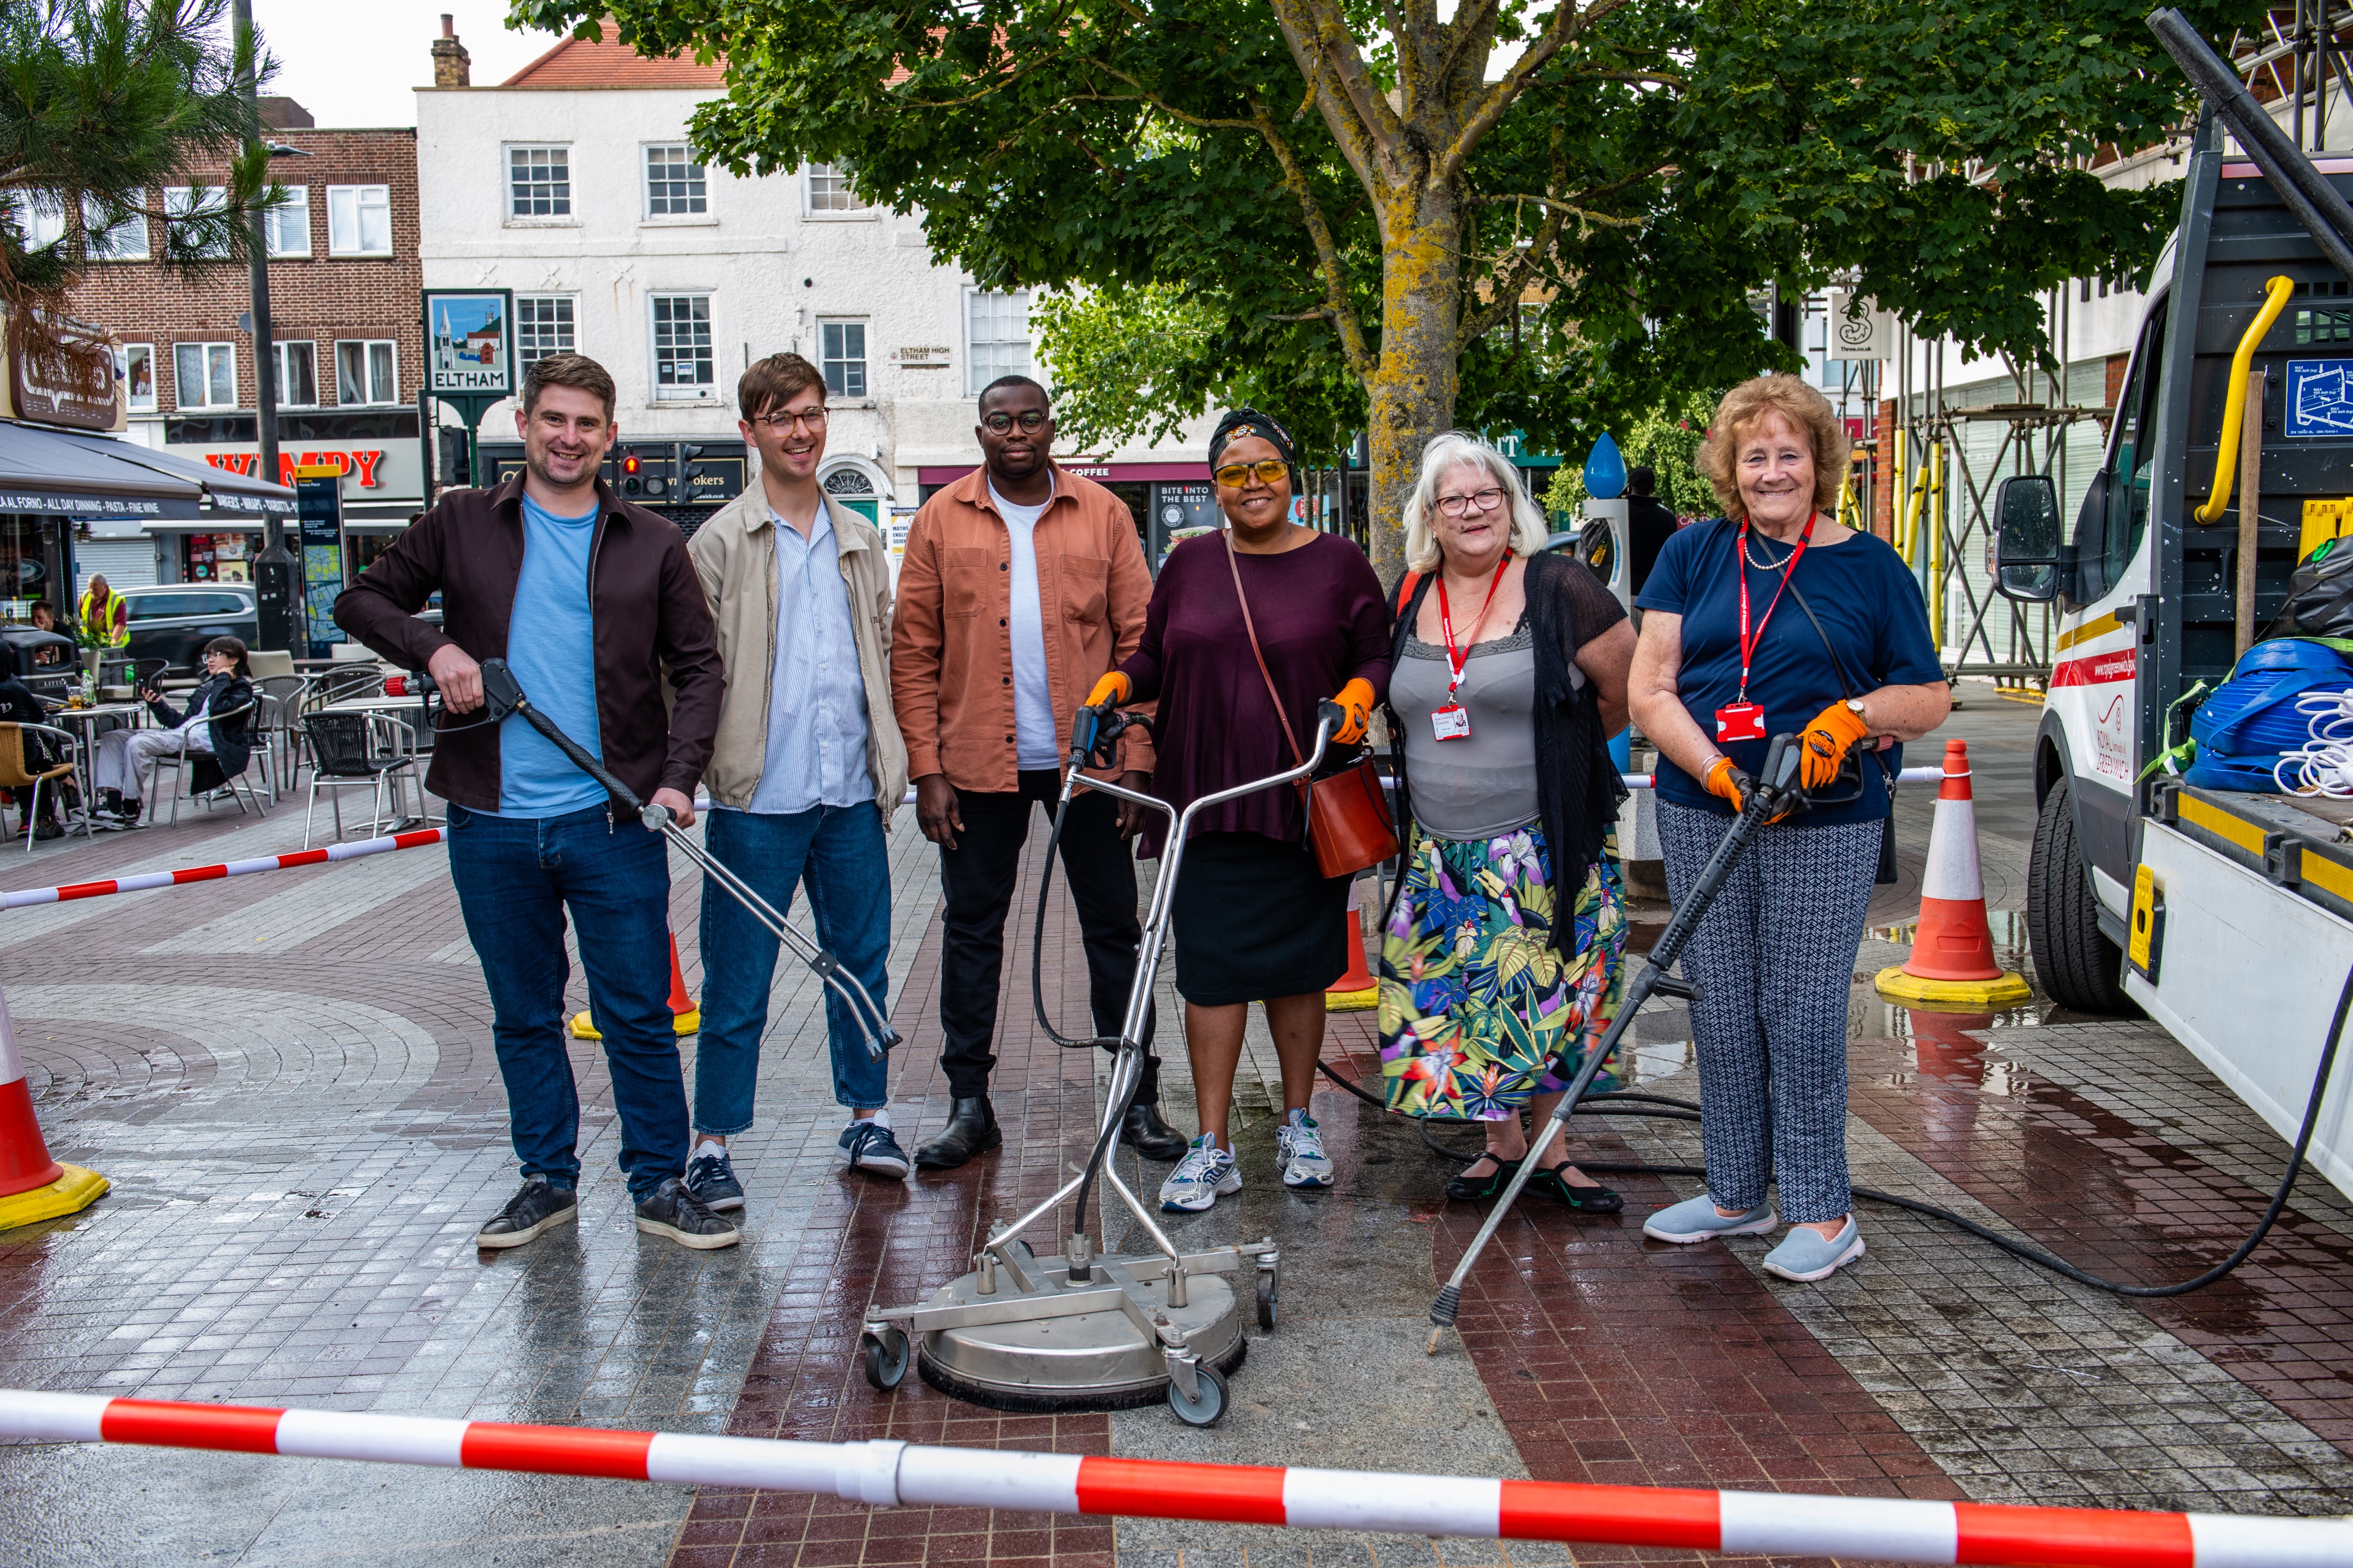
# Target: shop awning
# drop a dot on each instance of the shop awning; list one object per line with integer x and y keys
{"x": 52, "y": 471}
{"x": 229, "y": 496}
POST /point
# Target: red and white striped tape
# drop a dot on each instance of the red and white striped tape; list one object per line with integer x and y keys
{"x": 146, "y": 879}
{"x": 889, "y": 1474}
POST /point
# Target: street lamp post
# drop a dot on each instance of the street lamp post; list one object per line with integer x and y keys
{"x": 278, "y": 570}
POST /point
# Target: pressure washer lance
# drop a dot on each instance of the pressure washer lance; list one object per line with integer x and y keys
{"x": 504, "y": 695}
{"x": 1775, "y": 794}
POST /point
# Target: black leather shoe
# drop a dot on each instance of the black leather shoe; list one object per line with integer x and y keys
{"x": 538, "y": 1206}
{"x": 1142, "y": 1129}
{"x": 971, "y": 1129}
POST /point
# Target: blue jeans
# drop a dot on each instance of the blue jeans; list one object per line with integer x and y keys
{"x": 838, "y": 853}
{"x": 516, "y": 875}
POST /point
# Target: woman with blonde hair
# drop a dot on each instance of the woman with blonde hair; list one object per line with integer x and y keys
{"x": 1772, "y": 619}
{"x": 1499, "y": 951}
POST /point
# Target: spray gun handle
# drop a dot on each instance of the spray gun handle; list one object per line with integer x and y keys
{"x": 505, "y": 695}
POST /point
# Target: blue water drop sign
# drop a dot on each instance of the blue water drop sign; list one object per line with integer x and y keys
{"x": 2320, "y": 397}
{"x": 1605, "y": 470}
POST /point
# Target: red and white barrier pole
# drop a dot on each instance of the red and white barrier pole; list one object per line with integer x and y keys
{"x": 144, "y": 881}
{"x": 888, "y": 1473}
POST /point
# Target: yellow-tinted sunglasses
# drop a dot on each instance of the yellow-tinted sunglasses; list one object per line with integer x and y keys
{"x": 1233, "y": 475}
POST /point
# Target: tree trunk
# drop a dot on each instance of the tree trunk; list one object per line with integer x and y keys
{"x": 1412, "y": 390}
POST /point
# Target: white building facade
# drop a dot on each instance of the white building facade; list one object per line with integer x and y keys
{"x": 574, "y": 185}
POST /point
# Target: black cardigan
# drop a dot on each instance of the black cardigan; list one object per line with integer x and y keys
{"x": 232, "y": 738}
{"x": 1577, "y": 787}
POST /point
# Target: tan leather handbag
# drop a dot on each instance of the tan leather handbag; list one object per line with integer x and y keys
{"x": 1349, "y": 823}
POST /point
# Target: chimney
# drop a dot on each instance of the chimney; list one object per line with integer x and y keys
{"x": 452, "y": 66}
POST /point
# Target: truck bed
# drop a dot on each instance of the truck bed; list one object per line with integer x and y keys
{"x": 2302, "y": 844}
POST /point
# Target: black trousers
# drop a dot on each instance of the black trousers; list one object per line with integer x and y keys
{"x": 978, "y": 878}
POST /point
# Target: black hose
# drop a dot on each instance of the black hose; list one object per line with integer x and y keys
{"x": 1038, "y": 944}
{"x": 1682, "y": 1111}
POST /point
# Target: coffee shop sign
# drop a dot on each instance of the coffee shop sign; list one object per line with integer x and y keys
{"x": 360, "y": 461}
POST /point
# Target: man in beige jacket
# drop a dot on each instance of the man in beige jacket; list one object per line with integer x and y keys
{"x": 805, "y": 771}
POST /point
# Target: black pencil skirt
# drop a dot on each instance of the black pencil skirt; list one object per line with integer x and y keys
{"x": 1255, "y": 919}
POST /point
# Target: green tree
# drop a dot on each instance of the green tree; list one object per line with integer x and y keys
{"x": 103, "y": 104}
{"x": 1667, "y": 440}
{"x": 1529, "y": 215}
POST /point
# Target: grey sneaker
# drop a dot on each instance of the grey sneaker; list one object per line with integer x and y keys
{"x": 1206, "y": 1171}
{"x": 868, "y": 1146}
{"x": 540, "y": 1206}
{"x": 1695, "y": 1219}
{"x": 671, "y": 1210}
{"x": 712, "y": 1179}
{"x": 1299, "y": 1152}
{"x": 1805, "y": 1257}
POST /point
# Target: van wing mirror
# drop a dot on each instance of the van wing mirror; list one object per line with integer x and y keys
{"x": 2026, "y": 539}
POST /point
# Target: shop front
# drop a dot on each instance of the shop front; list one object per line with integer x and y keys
{"x": 1164, "y": 498}
{"x": 383, "y": 481}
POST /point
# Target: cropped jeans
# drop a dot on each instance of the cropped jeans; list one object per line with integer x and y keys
{"x": 516, "y": 878}
{"x": 838, "y": 853}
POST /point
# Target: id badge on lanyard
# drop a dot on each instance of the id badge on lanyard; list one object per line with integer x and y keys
{"x": 1741, "y": 720}
{"x": 1450, "y": 720}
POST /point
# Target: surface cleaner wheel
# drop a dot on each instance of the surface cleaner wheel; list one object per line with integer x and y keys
{"x": 887, "y": 1356}
{"x": 1208, "y": 1405}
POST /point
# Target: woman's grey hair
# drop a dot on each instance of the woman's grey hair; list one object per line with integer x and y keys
{"x": 1444, "y": 454}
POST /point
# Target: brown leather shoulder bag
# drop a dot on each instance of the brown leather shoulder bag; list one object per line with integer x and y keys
{"x": 1347, "y": 813}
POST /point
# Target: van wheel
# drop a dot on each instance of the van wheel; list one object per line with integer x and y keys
{"x": 2076, "y": 963}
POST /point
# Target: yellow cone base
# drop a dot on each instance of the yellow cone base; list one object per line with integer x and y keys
{"x": 1953, "y": 995}
{"x": 583, "y": 1027}
{"x": 73, "y": 1191}
{"x": 1352, "y": 1001}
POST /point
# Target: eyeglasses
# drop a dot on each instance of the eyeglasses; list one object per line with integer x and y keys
{"x": 1233, "y": 475}
{"x": 1477, "y": 501}
{"x": 784, "y": 419}
{"x": 1030, "y": 422}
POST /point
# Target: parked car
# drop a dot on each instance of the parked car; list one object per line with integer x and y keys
{"x": 172, "y": 621}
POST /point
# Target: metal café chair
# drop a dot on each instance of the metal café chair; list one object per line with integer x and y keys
{"x": 240, "y": 789}
{"x": 16, "y": 772}
{"x": 353, "y": 750}
{"x": 281, "y": 718}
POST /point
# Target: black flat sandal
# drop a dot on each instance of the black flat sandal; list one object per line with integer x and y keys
{"x": 1470, "y": 1189}
{"x": 1595, "y": 1199}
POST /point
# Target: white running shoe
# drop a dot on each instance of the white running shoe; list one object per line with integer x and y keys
{"x": 1299, "y": 1152}
{"x": 1205, "y": 1173}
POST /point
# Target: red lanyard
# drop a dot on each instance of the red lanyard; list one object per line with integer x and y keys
{"x": 1750, "y": 641}
{"x": 1455, "y": 662}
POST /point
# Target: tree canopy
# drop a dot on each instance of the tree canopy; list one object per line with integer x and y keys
{"x": 1522, "y": 214}
{"x": 103, "y": 105}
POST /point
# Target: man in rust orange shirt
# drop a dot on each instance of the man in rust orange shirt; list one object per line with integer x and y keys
{"x": 1020, "y": 587}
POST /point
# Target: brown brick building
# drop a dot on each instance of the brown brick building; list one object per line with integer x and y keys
{"x": 344, "y": 284}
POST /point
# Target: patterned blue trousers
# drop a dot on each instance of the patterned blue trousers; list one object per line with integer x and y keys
{"x": 1774, "y": 955}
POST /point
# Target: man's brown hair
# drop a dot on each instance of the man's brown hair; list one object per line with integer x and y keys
{"x": 567, "y": 370}
{"x": 775, "y": 380}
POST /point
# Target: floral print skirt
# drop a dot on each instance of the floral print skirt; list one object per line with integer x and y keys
{"x": 1478, "y": 1012}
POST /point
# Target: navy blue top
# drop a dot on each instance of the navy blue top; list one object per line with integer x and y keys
{"x": 1871, "y": 610}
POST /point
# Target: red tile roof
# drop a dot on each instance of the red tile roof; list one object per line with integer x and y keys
{"x": 575, "y": 62}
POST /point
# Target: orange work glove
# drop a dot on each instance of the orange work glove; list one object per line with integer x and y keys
{"x": 1112, "y": 689}
{"x": 1727, "y": 783}
{"x": 1356, "y": 697}
{"x": 1827, "y": 740}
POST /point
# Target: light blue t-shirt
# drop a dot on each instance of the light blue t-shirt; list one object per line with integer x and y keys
{"x": 551, "y": 649}
{"x": 817, "y": 694}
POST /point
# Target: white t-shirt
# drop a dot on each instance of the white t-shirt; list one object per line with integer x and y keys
{"x": 1033, "y": 704}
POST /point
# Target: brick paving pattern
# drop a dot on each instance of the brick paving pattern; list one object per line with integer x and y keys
{"x": 290, "y": 1079}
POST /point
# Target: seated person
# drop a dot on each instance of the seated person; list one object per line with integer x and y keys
{"x": 125, "y": 764}
{"x": 19, "y": 706}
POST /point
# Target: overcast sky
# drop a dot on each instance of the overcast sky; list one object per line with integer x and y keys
{"x": 358, "y": 64}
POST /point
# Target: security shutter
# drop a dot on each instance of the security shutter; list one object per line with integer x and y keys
{"x": 125, "y": 563}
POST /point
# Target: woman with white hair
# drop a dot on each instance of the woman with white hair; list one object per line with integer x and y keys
{"x": 1500, "y": 953}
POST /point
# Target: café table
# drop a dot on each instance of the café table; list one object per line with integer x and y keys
{"x": 87, "y": 725}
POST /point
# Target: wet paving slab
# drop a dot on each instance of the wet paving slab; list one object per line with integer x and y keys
{"x": 290, "y": 1079}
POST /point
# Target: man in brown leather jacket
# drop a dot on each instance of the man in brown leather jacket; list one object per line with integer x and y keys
{"x": 1021, "y": 584}
{"x": 590, "y": 601}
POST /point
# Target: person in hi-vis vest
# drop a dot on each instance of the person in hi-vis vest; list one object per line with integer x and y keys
{"x": 105, "y": 611}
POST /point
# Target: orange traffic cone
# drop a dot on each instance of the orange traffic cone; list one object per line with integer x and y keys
{"x": 1952, "y": 964}
{"x": 1356, "y": 990}
{"x": 685, "y": 1016}
{"x": 32, "y": 1185}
